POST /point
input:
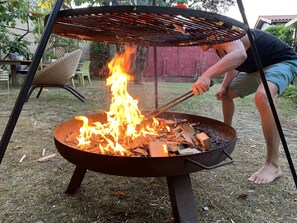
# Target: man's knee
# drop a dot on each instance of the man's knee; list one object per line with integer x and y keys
{"x": 260, "y": 98}
{"x": 230, "y": 95}
{"x": 261, "y": 94}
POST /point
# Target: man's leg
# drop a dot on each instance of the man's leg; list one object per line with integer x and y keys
{"x": 228, "y": 107}
{"x": 271, "y": 169}
{"x": 242, "y": 85}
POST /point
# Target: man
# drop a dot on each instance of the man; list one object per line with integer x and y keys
{"x": 279, "y": 62}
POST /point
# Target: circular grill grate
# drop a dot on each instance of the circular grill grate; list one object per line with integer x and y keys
{"x": 148, "y": 25}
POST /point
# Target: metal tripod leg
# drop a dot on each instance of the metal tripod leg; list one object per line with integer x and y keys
{"x": 30, "y": 76}
{"x": 271, "y": 103}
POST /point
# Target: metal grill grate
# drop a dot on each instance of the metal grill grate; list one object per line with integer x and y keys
{"x": 148, "y": 25}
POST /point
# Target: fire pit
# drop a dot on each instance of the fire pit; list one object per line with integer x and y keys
{"x": 149, "y": 166}
{"x": 176, "y": 169}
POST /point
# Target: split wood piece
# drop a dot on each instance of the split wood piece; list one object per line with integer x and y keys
{"x": 22, "y": 159}
{"x": 191, "y": 132}
{"x": 158, "y": 149}
{"x": 188, "y": 138}
{"x": 188, "y": 151}
{"x": 71, "y": 138}
{"x": 141, "y": 151}
{"x": 188, "y": 128}
{"x": 128, "y": 153}
{"x": 170, "y": 136}
{"x": 46, "y": 158}
{"x": 204, "y": 140}
{"x": 173, "y": 146}
{"x": 138, "y": 142}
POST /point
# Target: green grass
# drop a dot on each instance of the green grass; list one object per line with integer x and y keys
{"x": 291, "y": 93}
{"x": 34, "y": 192}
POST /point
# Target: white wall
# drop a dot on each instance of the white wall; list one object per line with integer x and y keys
{"x": 21, "y": 29}
{"x": 265, "y": 26}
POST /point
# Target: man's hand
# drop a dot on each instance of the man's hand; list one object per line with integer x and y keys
{"x": 221, "y": 92}
{"x": 201, "y": 85}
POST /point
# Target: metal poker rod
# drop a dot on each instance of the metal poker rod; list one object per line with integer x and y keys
{"x": 170, "y": 104}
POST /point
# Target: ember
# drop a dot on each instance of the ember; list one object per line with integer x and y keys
{"x": 182, "y": 139}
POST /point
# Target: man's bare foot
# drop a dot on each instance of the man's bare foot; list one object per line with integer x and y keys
{"x": 267, "y": 174}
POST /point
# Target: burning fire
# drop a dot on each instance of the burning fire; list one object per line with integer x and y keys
{"x": 124, "y": 120}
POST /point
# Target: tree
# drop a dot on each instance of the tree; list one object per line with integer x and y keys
{"x": 57, "y": 45}
{"x": 282, "y": 32}
{"x": 23, "y": 11}
{"x": 10, "y": 12}
{"x": 100, "y": 55}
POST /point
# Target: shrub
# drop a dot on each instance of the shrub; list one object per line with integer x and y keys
{"x": 291, "y": 93}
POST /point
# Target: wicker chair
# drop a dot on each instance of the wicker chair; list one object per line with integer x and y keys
{"x": 58, "y": 74}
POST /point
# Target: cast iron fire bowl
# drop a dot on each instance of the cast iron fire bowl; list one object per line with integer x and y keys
{"x": 149, "y": 166}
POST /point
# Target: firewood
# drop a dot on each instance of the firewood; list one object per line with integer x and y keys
{"x": 163, "y": 124}
{"x": 94, "y": 149}
{"x": 188, "y": 128}
{"x": 176, "y": 138}
{"x": 128, "y": 153}
{"x": 204, "y": 140}
{"x": 135, "y": 143}
{"x": 188, "y": 151}
{"x": 169, "y": 122}
{"x": 158, "y": 149}
{"x": 170, "y": 136}
{"x": 46, "y": 158}
{"x": 195, "y": 140}
{"x": 17, "y": 147}
{"x": 173, "y": 146}
{"x": 71, "y": 138}
{"x": 22, "y": 159}
{"x": 188, "y": 139}
{"x": 172, "y": 154}
{"x": 141, "y": 151}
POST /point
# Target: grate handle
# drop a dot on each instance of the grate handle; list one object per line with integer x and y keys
{"x": 213, "y": 166}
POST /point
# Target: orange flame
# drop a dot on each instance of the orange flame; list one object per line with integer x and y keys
{"x": 124, "y": 120}
{"x": 165, "y": 148}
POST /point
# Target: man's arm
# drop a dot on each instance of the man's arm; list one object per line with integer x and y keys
{"x": 236, "y": 55}
{"x": 227, "y": 80}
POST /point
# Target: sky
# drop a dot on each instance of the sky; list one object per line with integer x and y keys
{"x": 255, "y": 8}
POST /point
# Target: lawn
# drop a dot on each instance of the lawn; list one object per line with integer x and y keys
{"x": 33, "y": 191}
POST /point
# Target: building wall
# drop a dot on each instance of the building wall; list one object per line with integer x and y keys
{"x": 265, "y": 26}
{"x": 179, "y": 63}
{"x": 21, "y": 29}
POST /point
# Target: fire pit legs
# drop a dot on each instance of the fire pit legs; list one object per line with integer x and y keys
{"x": 182, "y": 199}
{"x": 76, "y": 179}
{"x": 180, "y": 192}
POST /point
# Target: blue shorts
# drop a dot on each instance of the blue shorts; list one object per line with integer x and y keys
{"x": 281, "y": 74}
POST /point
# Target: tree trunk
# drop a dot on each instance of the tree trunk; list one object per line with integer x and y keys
{"x": 140, "y": 63}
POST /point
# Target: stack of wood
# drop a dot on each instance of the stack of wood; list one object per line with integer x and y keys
{"x": 183, "y": 138}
